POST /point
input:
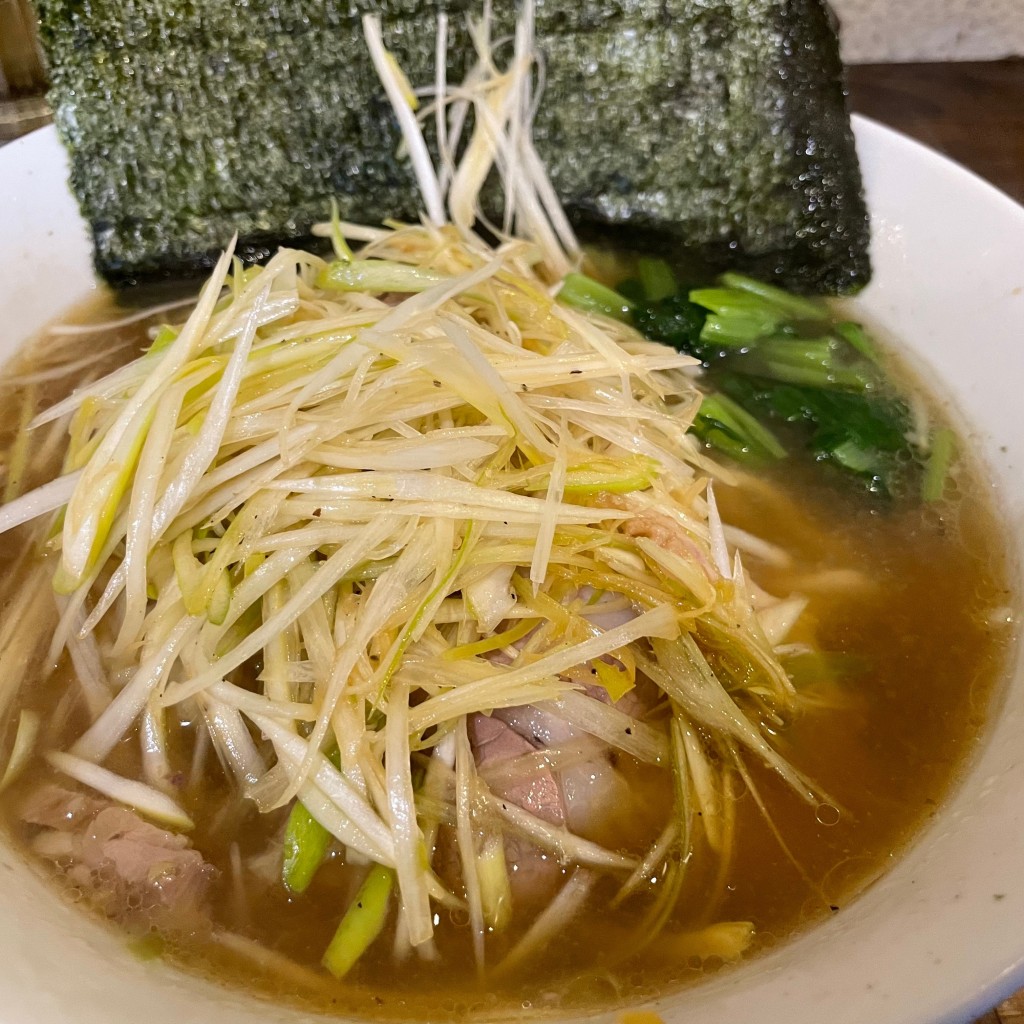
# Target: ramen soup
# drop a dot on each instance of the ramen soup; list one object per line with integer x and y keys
{"x": 734, "y": 688}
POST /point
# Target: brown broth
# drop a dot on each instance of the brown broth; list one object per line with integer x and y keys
{"x": 922, "y": 622}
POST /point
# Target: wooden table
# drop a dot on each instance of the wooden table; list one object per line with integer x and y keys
{"x": 973, "y": 113}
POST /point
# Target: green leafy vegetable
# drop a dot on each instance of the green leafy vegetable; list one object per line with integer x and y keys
{"x": 736, "y": 318}
{"x": 856, "y": 336}
{"x": 771, "y": 356}
{"x": 676, "y": 321}
{"x": 860, "y": 432}
{"x": 795, "y": 306}
{"x": 725, "y": 425}
{"x": 818, "y": 362}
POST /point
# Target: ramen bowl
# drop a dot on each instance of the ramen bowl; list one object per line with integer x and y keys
{"x": 938, "y": 938}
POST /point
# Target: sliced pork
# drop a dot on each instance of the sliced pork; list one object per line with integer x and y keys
{"x": 131, "y": 870}
{"x": 539, "y": 727}
{"x": 495, "y": 740}
{"x": 533, "y": 874}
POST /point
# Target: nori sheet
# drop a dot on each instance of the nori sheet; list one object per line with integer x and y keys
{"x": 714, "y": 128}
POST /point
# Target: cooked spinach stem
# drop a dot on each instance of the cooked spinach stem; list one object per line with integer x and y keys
{"x": 855, "y": 336}
{"x": 940, "y": 460}
{"x": 715, "y": 435}
{"x": 363, "y": 922}
{"x": 656, "y": 278}
{"x": 728, "y": 426}
{"x": 812, "y": 375}
{"x": 820, "y": 352}
{"x": 736, "y": 318}
{"x": 591, "y": 296}
{"x": 815, "y": 361}
{"x": 792, "y": 305}
{"x": 818, "y": 349}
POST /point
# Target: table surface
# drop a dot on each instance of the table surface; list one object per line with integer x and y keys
{"x": 972, "y": 112}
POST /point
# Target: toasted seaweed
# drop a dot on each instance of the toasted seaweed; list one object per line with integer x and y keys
{"x": 716, "y": 128}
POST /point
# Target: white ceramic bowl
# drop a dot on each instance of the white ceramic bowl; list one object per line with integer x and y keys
{"x": 941, "y": 937}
